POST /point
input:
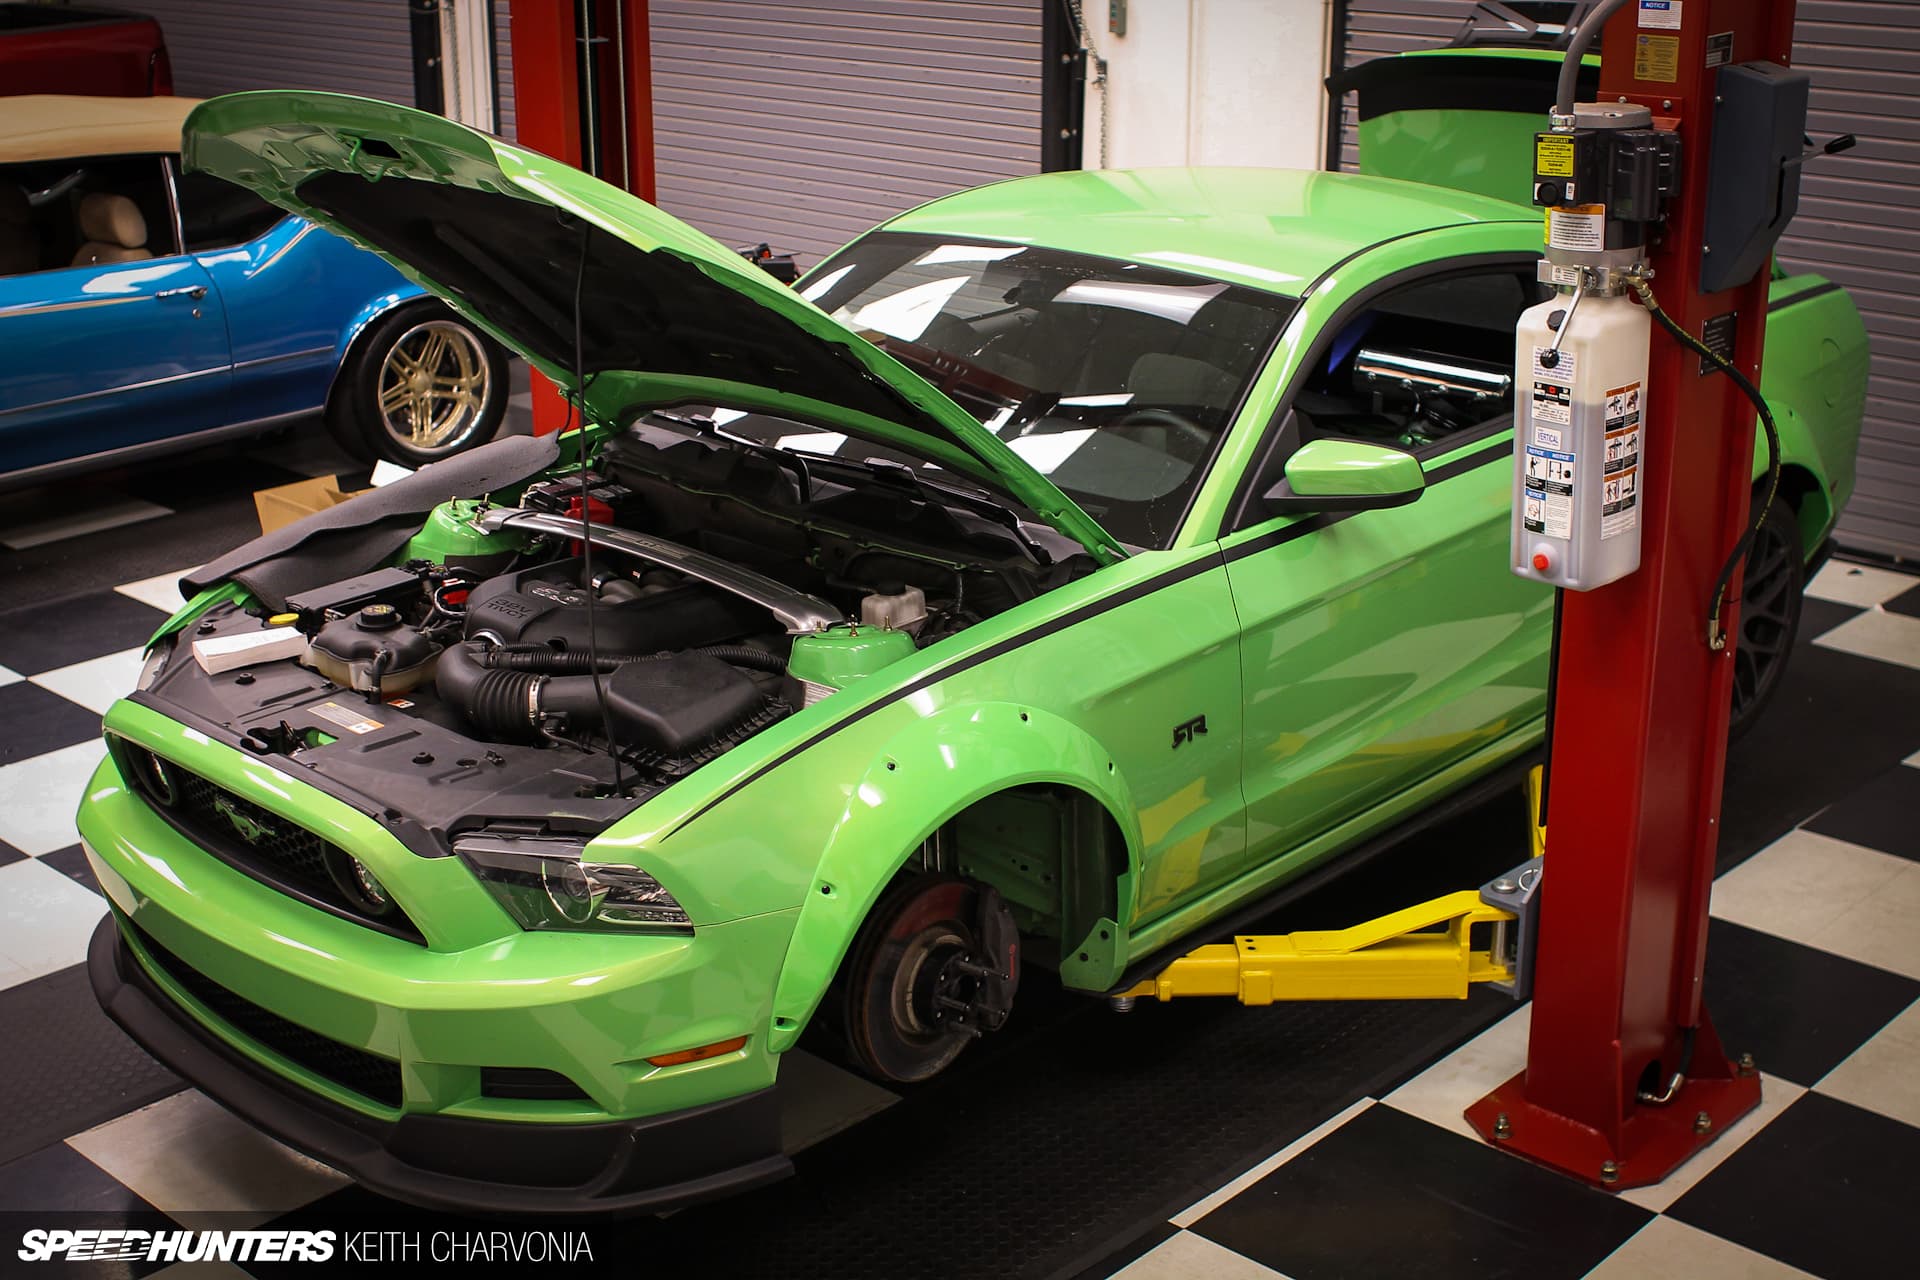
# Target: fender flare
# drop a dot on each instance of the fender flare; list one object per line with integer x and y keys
{"x": 405, "y": 294}
{"x": 919, "y": 780}
{"x": 1799, "y": 451}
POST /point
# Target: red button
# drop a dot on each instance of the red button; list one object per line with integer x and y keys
{"x": 1541, "y": 562}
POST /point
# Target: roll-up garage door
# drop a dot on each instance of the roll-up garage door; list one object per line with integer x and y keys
{"x": 1859, "y": 219}
{"x": 347, "y": 46}
{"x": 503, "y": 66}
{"x": 804, "y": 122}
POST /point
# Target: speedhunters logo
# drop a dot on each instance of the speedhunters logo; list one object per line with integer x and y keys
{"x": 90, "y": 1244}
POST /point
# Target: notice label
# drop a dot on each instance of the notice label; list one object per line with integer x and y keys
{"x": 1720, "y": 49}
{"x": 1656, "y": 58}
{"x": 1663, "y": 15}
{"x": 1547, "y": 505}
{"x": 1580, "y": 226}
{"x": 347, "y": 718}
{"x": 1553, "y": 156}
{"x": 1620, "y": 490}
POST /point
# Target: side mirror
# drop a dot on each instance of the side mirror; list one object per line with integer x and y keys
{"x": 1346, "y": 475}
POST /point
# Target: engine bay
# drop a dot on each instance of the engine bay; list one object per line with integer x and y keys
{"x": 539, "y": 676}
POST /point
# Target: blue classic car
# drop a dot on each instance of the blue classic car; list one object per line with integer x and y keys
{"x": 143, "y": 309}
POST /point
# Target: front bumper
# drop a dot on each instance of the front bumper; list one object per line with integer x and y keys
{"x": 457, "y": 1163}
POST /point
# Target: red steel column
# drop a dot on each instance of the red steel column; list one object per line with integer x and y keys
{"x": 1640, "y": 714}
{"x": 552, "y": 114}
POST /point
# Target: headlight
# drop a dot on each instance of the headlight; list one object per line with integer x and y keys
{"x": 156, "y": 663}
{"x": 545, "y": 883}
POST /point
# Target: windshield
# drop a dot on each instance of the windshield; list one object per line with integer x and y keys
{"x": 1115, "y": 381}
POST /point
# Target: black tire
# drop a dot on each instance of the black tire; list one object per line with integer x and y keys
{"x": 897, "y": 966}
{"x": 454, "y": 395}
{"x": 1769, "y": 614}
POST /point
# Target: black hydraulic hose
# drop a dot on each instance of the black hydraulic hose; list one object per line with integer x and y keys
{"x": 1717, "y": 638}
{"x": 1578, "y": 43}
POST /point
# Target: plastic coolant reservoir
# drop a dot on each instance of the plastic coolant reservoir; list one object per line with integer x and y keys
{"x": 346, "y": 651}
{"x": 827, "y": 661}
{"x": 1579, "y": 419}
{"x": 903, "y": 608}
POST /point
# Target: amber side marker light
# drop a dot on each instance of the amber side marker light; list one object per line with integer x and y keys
{"x": 704, "y": 1052}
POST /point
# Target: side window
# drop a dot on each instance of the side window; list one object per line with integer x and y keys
{"x": 215, "y": 214}
{"x": 63, "y": 213}
{"x": 1421, "y": 364}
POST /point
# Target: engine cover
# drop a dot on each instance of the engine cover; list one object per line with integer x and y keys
{"x": 548, "y": 605}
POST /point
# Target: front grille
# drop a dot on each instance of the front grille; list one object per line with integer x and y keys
{"x": 528, "y": 1082}
{"x": 367, "y": 1074}
{"x": 264, "y": 845}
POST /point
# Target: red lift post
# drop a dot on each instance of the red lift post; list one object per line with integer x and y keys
{"x": 583, "y": 94}
{"x": 1640, "y": 712}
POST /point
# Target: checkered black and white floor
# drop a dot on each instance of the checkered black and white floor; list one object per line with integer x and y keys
{"x": 1814, "y": 967}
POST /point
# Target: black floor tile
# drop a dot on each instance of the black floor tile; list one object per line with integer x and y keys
{"x": 1150, "y": 1238}
{"x": 1907, "y": 602}
{"x": 9, "y": 854}
{"x": 56, "y": 1178}
{"x": 1817, "y": 617}
{"x": 1836, "y": 720}
{"x": 64, "y": 1067}
{"x": 1389, "y": 1194}
{"x": 1883, "y": 815}
{"x": 1799, "y": 1011}
{"x": 72, "y": 862}
{"x": 34, "y": 722}
{"x": 1827, "y": 1187}
{"x": 40, "y": 637}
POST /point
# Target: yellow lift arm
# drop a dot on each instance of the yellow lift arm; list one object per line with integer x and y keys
{"x": 1424, "y": 952}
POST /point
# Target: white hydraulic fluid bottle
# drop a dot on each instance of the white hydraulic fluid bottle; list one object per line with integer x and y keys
{"x": 1578, "y": 447}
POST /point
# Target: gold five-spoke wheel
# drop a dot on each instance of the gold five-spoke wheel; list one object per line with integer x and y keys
{"x": 434, "y": 387}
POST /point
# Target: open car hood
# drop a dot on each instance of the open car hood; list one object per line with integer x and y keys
{"x": 667, "y": 314}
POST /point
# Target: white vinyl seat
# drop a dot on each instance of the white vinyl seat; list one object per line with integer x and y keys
{"x": 114, "y": 230}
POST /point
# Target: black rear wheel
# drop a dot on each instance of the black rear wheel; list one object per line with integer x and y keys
{"x": 1769, "y": 614}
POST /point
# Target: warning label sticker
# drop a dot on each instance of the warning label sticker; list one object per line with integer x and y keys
{"x": 1663, "y": 14}
{"x": 1547, "y": 505}
{"x": 1620, "y": 490}
{"x": 1553, "y": 156}
{"x": 1656, "y": 58}
{"x": 347, "y": 718}
{"x": 1580, "y": 226}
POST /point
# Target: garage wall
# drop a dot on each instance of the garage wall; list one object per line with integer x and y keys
{"x": 503, "y": 65}
{"x": 1859, "y": 219}
{"x": 804, "y": 122}
{"x": 348, "y": 46}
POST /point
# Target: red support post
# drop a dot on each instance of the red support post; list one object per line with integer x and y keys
{"x": 553, "y": 114}
{"x": 1640, "y": 713}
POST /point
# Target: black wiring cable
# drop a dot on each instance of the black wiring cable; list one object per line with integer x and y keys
{"x": 1716, "y": 637}
{"x": 586, "y": 510}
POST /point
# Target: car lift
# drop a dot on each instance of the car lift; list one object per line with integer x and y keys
{"x": 1626, "y": 1078}
{"x": 1432, "y": 951}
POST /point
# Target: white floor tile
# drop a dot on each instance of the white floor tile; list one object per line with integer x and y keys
{"x": 1201, "y": 1208}
{"x": 46, "y": 920}
{"x": 1191, "y": 1257}
{"x": 1668, "y": 1250}
{"x": 1913, "y": 759}
{"x": 1858, "y": 584}
{"x": 97, "y": 683}
{"x": 162, "y": 590}
{"x": 1827, "y": 893}
{"x": 818, "y": 1100}
{"x": 1880, "y": 1075}
{"x": 90, "y": 517}
{"x": 9, "y": 676}
{"x": 1877, "y": 634}
{"x": 38, "y": 796}
{"x": 1443, "y": 1092}
{"x": 196, "y": 1162}
{"x": 1776, "y": 1095}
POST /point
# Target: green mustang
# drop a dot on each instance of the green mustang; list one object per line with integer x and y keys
{"x": 1063, "y": 568}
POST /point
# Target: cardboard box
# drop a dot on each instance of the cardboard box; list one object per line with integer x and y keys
{"x": 281, "y": 505}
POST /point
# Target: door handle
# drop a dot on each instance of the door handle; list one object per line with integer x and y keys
{"x": 195, "y": 291}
